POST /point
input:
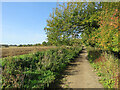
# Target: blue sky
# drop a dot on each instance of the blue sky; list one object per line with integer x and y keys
{"x": 24, "y": 22}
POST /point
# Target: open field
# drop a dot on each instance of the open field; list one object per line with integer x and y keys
{"x": 13, "y": 51}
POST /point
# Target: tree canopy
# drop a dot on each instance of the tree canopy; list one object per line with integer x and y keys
{"x": 95, "y": 22}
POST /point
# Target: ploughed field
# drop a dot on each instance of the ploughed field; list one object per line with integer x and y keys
{"x": 13, "y": 51}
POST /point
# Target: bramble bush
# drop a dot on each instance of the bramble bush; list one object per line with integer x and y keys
{"x": 36, "y": 70}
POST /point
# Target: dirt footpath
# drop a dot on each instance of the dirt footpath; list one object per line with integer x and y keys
{"x": 80, "y": 74}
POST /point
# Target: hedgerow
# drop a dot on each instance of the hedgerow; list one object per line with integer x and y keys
{"x": 36, "y": 70}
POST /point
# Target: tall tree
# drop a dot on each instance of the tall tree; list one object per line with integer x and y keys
{"x": 70, "y": 19}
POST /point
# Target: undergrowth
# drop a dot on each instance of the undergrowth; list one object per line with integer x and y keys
{"x": 106, "y": 67}
{"x": 36, "y": 70}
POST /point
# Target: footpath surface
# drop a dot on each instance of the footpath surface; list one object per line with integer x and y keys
{"x": 79, "y": 74}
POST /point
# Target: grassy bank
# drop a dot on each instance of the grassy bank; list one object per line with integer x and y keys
{"x": 106, "y": 66}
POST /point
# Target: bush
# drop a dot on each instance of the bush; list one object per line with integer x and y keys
{"x": 36, "y": 70}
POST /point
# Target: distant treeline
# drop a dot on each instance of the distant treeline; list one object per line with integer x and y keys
{"x": 4, "y": 45}
{"x": 38, "y": 44}
{"x": 25, "y": 45}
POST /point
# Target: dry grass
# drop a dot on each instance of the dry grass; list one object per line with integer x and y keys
{"x": 13, "y": 51}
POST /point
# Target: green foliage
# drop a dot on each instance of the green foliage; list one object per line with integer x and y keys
{"x": 44, "y": 43}
{"x": 106, "y": 36}
{"x": 36, "y": 70}
{"x": 38, "y": 44}
{"x": 106, "y": 67}
{"x": 96, "y": 22}
{"x": 68, "y": 21}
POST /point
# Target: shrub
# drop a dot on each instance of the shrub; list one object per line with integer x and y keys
{"x": 36, "y": 70}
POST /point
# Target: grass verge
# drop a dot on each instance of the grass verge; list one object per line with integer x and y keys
{"x": 106, "y": 66}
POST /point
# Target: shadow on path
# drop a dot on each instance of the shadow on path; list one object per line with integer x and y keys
{"x": 78, "y": 74}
